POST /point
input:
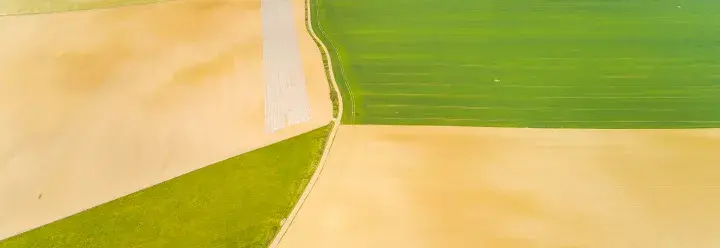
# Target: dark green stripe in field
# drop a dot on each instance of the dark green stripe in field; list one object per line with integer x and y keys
{"x": 238, "y": 202}
{"x": 526, "y": 63}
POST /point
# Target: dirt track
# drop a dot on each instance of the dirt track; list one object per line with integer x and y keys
{"x": 395, "y": 186}
{"x": 98, "y": 104}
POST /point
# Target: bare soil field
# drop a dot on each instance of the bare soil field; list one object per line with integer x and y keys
{"x": 399, "y": 186}
{"x": 98, "y": 104}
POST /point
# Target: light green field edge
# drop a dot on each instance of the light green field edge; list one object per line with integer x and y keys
{"x": 238, "y": 202}
{"x": 344, "y": 88}
{"x": 30, "y": 7}
{"x": 670, "y": 84}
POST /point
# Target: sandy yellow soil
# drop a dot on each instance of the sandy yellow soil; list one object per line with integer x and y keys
{"x": 317, "y": 83}
{"x": 395, "y": 186}
{"x": 98, "y": 104}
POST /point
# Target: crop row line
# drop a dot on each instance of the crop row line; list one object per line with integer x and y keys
{"x": 496, "y": 65}
{"x": 524, "y": 109}
{"x": 545, "y": 121}
{"x": 532, "y": 97}
{"x": 500, "y": 85}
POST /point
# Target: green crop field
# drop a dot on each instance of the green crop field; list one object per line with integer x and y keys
{"x": 238, "y": 202}
{"x": 526, "y": 63}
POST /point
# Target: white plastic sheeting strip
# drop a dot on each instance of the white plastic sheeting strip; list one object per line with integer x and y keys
{"x": 286, "y": 99}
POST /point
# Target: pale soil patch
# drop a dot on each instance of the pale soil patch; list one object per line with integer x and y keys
{"x": 98, "y": 104}
{"x": 317, "y": 83}
{"x": 396, "y": 186}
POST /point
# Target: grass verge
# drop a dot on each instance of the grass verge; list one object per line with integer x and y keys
{"x": 238, "y": 202}
{"x": 326, "y": 66}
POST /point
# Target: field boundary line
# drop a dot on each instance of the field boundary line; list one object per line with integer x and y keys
{"x": 330, "y": 139}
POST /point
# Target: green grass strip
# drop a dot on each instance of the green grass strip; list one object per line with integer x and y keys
{"x": 326, "y": 65}
{"x": 238, "y": 202}
{"x": 30, "y": 7}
